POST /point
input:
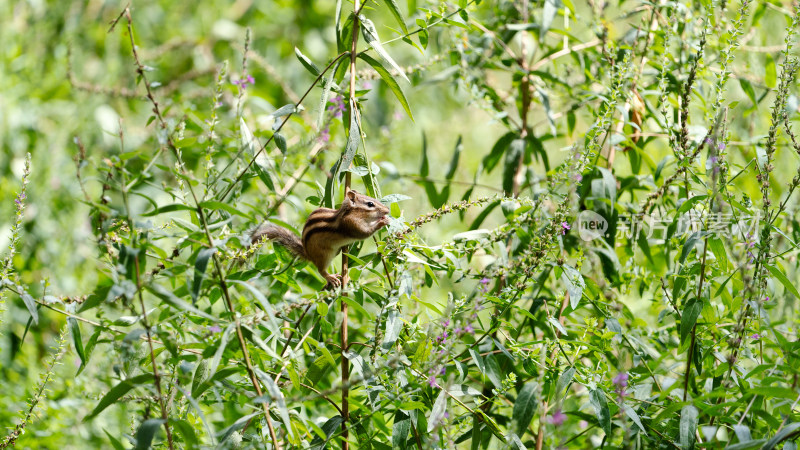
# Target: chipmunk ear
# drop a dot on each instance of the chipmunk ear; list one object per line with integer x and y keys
{"x": 351, "y": 194}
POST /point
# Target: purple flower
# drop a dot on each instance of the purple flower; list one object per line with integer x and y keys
{"x": 432, "y": 381}
{"x": 446, "y": 323}
{"x": 564, "y": 227}
{"x": 621, "y": 380}
{"x": 721, "y": 146}
{"x": 324, "y": 135}
{"x": 214, "y": 329}
{"x": 337, "y": 106}
{"x": 484, "y": 284}
{"x": 755, "y": 336}
{"x": 558, "y": 418}
{"x": 709, "y": 141}
{"x": 469, "y": 329}
{"x": 457, "y": 330}
{"x": 244, "y": 80}
{"x": 442, "y": 372}
{"x": 578, "y": 177}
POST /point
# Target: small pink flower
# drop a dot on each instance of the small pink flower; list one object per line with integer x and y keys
{"x": 558, "y": 418}
{"x": 214, "y": 329}
{"x": 755, "y": 336}
{"x": 469, "y": 329}
{"x": 564, "y": 227}
{"x": 432, "y": 381}
{"x": 324, "y": 136}
{"x": 621, "y": 380}
{"x": 337, "y": 106}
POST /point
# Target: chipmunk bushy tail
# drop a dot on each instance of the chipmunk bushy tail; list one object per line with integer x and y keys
{"x": 280, "y": 235}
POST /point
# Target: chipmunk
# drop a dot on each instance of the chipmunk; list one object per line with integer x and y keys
{"x": 327, "y": 231}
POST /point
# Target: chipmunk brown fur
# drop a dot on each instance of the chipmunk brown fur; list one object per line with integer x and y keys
{"x": 327, "y": 231}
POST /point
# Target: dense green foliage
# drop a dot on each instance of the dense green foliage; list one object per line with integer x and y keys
{"x": 593, "y": 239}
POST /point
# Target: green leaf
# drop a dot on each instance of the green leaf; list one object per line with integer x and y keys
{"x": 327, "y": 83}
{"x": 548, "y": 14}
{"x": 118, "y": 391}
{"x": 525, "y": 407}
{"x": 575, "y": 284}
{"x": 398, "y": 16}
{"x": 172, "y": 300}
{"x": 788, "y": 285}
{"x": 215, "y": 205}
{"x": 451, "y": 170}
{"x": 394, "y": 324}
{"x": 688, "y": 426}
{"x": 514, "y": 157}
{"x": 330, "y": 427}
{"x": 438, "y": 410}
{"x": 689, "y": 203}
{"x": 424, "y": 168}
{"x": 114, "y": 441}
{"x": 691, "y": 241}
{"x": 280, "y": 142}
{"x": 718, "y": 249}
{"x": 748, "y": 89}
{"x": 278, "y": 400}
{"x": 598, "y": 400}
{"x": 635, "y": 417}
{"x": 371, "y": 36}
{"x": 400, "y": 429}
{"x": 490, "y": 161}
{"x": 75, "y": 332}
{"x": 146, "y": 432}
{"x": 394, "y": 198}
{"x": 353, "y": 139}
{"x": 389, "y": 80}
{"x": 30, "y": 304}
{"x": 564, "y": 380}
{"x": 317, "y": 370}
{"x": 168, "y": 208}
{"x": 691, "y": 311}
{"x": 306, "y": 62}
{"x": 248, "y": 140}
{"x": 749, "y": 445}
{"x": 493, "y": 370}
{"x": 782, "y": 435}
{"x": 89, "y": 348}
{"x": 238, "y": 425}
{"x": 200, "y": 265}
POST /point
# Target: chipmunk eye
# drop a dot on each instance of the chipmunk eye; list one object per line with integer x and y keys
{"x": 370, "y": 204}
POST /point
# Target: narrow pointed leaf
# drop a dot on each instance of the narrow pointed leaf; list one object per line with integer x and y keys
{"x": 146, "y": 432}
{"x": 306, "y": 62}
{"x": 398, "y": 16}
{"x": 118, "y": 391}
{"x": 389, "y": 80}
{"x": 371, "y": 36}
